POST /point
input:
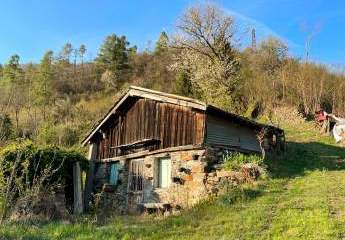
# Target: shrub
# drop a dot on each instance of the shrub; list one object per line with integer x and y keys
{"x": 37, "y": 158}
{"x": 235, "y": 160}
{"x": 58, "y": 135}
{"x": 6, "y": 128}
{"x": 28, "y": 170}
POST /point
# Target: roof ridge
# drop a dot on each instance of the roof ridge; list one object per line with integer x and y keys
{"x": 168, "y": 94}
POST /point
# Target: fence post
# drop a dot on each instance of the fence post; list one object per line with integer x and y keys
{"x": 90, "y": 175}
{"x": 78, "y": 198}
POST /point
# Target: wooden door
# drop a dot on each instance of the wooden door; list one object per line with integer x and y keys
{"x": 164, "y": 172}
{"x": 136, "y": 182}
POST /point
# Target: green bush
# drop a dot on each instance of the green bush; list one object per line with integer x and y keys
{"x": 235, "y": 160}
{"x": 34, "y": 159}
{"x": 30, "y": 170}
{"x": 58, "y": 135}
{"x": 6, "y": 128}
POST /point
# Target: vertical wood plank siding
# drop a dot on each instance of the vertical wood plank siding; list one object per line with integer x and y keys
{"x": 173, "y": 125}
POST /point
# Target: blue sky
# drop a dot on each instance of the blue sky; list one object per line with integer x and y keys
{"x": 30, "y": 27}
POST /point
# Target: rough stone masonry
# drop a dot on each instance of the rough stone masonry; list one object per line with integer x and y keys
{"x": 196, "y": 174}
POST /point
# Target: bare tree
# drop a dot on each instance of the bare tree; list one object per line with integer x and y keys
{"x": 310, "y": 35}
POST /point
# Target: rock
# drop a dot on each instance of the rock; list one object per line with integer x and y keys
{"x": 199, "y": 176}
{"x": 214, "y": 179}
{"x": 218, "y": 166}
{"x": 251, "y": 171}
{"x": 198, "y": 167}
{"x": 224, "y": 173}
{"x": 188, "y": 178}
{"x": 185, "y": 156}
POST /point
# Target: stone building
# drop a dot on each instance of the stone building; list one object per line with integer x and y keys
{"x": 159, "y": 150}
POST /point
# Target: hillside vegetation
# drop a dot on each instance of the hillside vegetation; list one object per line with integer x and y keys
{"x": 57, "y": 100}
{"x": 302, "y": 198}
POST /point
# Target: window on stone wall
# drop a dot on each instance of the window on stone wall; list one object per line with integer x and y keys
{"x": 164, "y": 172}
{"x": 136, "y": 175}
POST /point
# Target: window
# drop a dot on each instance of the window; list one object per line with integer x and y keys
{"x": 114, "y": 173}
{"x": 164, "y": 172}
{"x": 136, "y": 175}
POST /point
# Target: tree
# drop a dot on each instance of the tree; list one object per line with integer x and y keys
{"x": 43, "y": 84}
{"x": 30, "y": 75}
{"x": 65, "y": 54}
{"x": 162, "y": 43}
{"x": 265, "y": 82}
{"x": 82, "y": 51}
{"x": 6, "y": 128}
{"x": 183, "y": 83}
{"x": 1, "y": 71}
{"x": 14, "y": 83}
{"x": 272, "y": 53}
{"x": 205, "y": 46}
{"x": 113, "y": 60}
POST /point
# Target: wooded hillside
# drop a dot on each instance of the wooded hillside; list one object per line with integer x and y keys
{"x": 57, "y": 100}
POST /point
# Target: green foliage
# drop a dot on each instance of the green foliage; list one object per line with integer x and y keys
{"x": 27, "y": 170}
{"x": 162, "y": 43}
{"x": 6, "y": 128}
{"x": 13, "y": 75}
{"x": 205, "y": 46}
{"x": 60, "y": 134}
{"x": 43, "y": 84}
{"x": 235, "y": 160}
{"x": 302, "y": 199}
{"x": 82, "y": 51}
{"x": 65, "y": 54}
{"x": 273, "y": 53}
{"x": 201, "y": 61}
{"x": 113, "y": 59}
{"x": 35, "y": 159}
{"x": 183, "y": 84}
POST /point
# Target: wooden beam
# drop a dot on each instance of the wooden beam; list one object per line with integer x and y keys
{"x": 147, "y": 153}
{"x": 77, "y": 196}
{"x": 90, "y": 175}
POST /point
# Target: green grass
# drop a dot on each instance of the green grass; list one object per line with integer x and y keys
{"x": 303, "y": 198}
{"x": 234, "y": 161}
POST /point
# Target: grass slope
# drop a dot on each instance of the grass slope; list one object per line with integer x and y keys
{"x": 304, "y": 198}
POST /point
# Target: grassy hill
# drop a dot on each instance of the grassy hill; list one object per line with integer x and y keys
{"x": 303, "y": 198}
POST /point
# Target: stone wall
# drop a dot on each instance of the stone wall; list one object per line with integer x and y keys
{"x": 196, "y": 174}
{"x": 188, "y": 173}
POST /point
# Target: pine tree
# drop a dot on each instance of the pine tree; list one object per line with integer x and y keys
{"x": 65, "y": 54}
{"x": 113, "y": 60}
{"x": 82, "y": 51}
{"x": 162, "y": 43}
{"x": 183, "y": 83}
{"x": 14, "y": 84}
{"x": 43, "y": 84}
